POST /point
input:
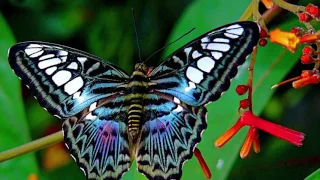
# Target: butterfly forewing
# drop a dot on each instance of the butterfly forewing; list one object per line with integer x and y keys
{"x": 200, "y": 71}
{"x": 64, "y": 80}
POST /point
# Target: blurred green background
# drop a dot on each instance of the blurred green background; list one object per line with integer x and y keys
{"x": 105, "y": 28}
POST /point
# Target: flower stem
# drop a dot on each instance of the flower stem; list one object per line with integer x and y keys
{"x": 290, "y": 7}
{"x": 32, "y": 146}
{"x": 247, "y": 13}
{"x": 250, "y": 77}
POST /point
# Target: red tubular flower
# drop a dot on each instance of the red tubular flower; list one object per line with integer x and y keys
{"x": 310, "y": 38}
{"x": 306, "y": 78}
{"x": 202, "y": 162}
{"x": 252, "y": 139}
{"x": 255, "y": 123}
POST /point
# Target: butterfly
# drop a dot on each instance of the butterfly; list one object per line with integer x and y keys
{"x": 154, "y": 116}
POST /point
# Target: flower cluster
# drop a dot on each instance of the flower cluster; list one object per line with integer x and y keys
{"x": 290, "y": 40}
{"x": 256, "y": 123}
{"x": 310, "y": 52}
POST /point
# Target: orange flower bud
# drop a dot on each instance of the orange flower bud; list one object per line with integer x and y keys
{"x": 287, "y": 39}
{"x": 267, "y": 3}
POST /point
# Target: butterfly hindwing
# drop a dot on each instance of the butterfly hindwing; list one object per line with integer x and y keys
{"x": 199, "y": 72}
{"x": 97, "y": 139}
{"x": 64, "y": 80}
{"x": 170, "y": 133}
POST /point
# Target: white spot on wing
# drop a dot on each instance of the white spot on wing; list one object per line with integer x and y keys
{"x": 93, "y": 106}
{"x": 74, "y": 85}
{"x": 176, "y": 100}
{"x": 30, "y": 51}
{"x": 63, "y": 53}
{"x": 46, "y": 57}
{"x": 90, "y": 116}
{"x": 76, "y": 95}
{"x": 36, "y": 54}
{"x": 233, "y": 26}
{"x": 237, "y": 31}
{"x": 73, "y": 65}
{"x": 82, "y": 59}
{"x": 73, "y": 157}
{"x": 48, "y": 63}
{"x": 191, "y": 86}
{"x": 51, "y": 70}
{"x": 66, "y": 143}
{"x": 205, "y": 39}
{"x": 216, "y": 55}
{"x": 61, "y": 77}
{"x": 57, "y": 116}
{"x": 205, "y": 64}
{"x": 34, "y": 46}
{"x": 194, "y": 74}
{"x": 218, "y": 46}
{"x": 178, "y": 109}
{"x": 221, "y": 40}
{"x": 232, "y": 36}
{"x": 83, "y": 171}
{"x": 187, "y": 50}
{"x": 196, "y": 54}
{"x": 63, "y": 58}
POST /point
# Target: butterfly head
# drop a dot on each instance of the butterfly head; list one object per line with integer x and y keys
{"x": 142, "y": 68}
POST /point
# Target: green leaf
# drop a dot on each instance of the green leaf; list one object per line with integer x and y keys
{"x": 14, "y": 127}
{"x": 314, "y": 176}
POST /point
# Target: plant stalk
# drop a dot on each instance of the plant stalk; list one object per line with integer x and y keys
{"x": 32, "y": 146}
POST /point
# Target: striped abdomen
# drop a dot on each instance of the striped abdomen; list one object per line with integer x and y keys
{"x": 134, "y": 118}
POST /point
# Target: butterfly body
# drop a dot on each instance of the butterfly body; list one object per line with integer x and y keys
{"x": 155, "y": 116}
{"x": 136, "y": 91}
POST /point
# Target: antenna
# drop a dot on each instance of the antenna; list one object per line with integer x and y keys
{"x": 136, "y": 31}
{"x": 169, "y": 44}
